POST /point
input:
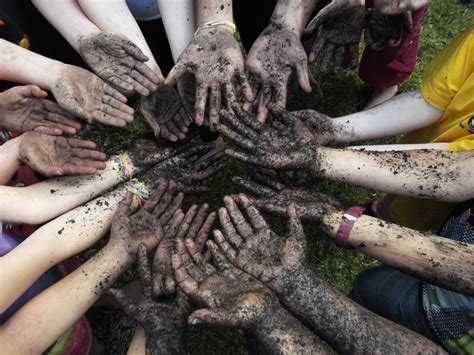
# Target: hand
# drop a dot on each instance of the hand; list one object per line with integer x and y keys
{"x": 190, "y": 176}
{"x": 383, "y": 30}
{"x": 146, "y": 225}
{"x": 119, "y": 62}
{"x": 395, "y": 7}
{"x": 233, "y": 298}
{"x": 215, "y": 58}
{"x": 253, "y": 247}
{"x": 195, "y": 227}
{"x": 271, "y": 195}
{"x": 51, "y": 155}
{"x": 318, "y": 123}
{"x": 24, "y": 108}
{"x": 164, "y": 322}
{"x": 293, "y": 147}
{"x": 342, "y": 23}
{"x": 86, "y": 96}
{"x": 165, "y": 114}
{"x": 274, "y": 56}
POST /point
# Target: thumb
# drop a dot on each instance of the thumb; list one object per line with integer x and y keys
{"x": 32, "y": 91}
{"x": 295, "y": 227}
{"x": 213, "y": 316}
{"x": 317, "y": 20}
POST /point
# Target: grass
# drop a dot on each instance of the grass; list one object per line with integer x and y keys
{"x": 342, "y": 95}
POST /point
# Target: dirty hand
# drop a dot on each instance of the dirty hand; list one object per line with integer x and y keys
{"x": 386, "y": 30}
{"x": 86, "y": 96}
{"x": 50, "y": 155}
{"x": 275, "y": 55}
{"x": 395, "y": 7}
{"x": 164, "y": 322}
{"x": 119, "y": 62}
{"x": 342, "y": 23}
{"x": 250, "y": 244}
{"x": 215, "y": 58}
{"x": 24, "y": 108}
{"x": 165, "y": 114}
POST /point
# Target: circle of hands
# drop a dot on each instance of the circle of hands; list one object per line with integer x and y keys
{"x": 229, "y": 275}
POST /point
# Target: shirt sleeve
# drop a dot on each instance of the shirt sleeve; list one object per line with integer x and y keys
{"x": 448, "y": 71}
{"x": 461, "y": 145}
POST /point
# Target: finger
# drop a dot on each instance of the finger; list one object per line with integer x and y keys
{"x": 214, "y": 317}
{"x": 71, "y": 105}
{"x": 316, "y": 49}
{"x": 219, "y": 260}
{"x": 104, "y": 118}
{"x": 268, "y": 181}
{"x": 52, "y": 131}
{"x": 31, "y": 91}
{"x": 212, "y": 170}
{"x": 244, "y": 85}
{"x": 229, "y": 252}
{"x": 302, "y": 76}
{"x": 124, "y": 83}
{"x": 325, "y": 13}
{"x": 59, "y": 114}
{"x": 171, "y": 127}
{"x": 184, "y": 280}
{"x": 143, "y": 82}
{"x": 274, "y": 209}
{"x": 203, "y": 233}
{"x": 117, "y": 104}
{"x": 194, "y": 252}
{"x": 144, "y": 270}
{"x": 328, "y": 55}
{"x": 195, "y": 270}
{"x": 115, "y": 94}
{"x": 407, "y": 21}
{"x": 86, "y": 155}
{"x": 166, "y": 134}
{"x": 197, "y": 222}
{"x": 170, "y": 211}
{"x": 200, "y": 103}
{"x": 165, "y": 201}
{"x": 156, "y": 196}
{"x": 338, "y": 59}
{"x": 197, "y": 150}
{"x": 194, "y": 189}
{"x": 256, "y": 220}
{"x": 354, "y": 55}
{"x": 188, "y": 219}
{"x": 246, "y": 117}
{"x": 231, "y": 234}
{"x": 176, "y": 73}
{"x": 237, "y": 125}
{"x": 149, "y": 74}
{"x": 173, "y": 225}
{"x": 242, "y": 226}
{"x": 295, "y": 227}
{"x": 214, "y": 104}
{"x": 109, "y": 110}
{"x": 235, "y": 137}
{"x": 283, "y": 115}
{"x": 265, "y": 98}
{"x": 247, "y": 158}
{"x": 252, "y": 187}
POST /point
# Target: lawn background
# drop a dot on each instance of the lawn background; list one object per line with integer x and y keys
{"x": 343, "y": 94}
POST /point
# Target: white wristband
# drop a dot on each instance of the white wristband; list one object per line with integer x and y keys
{"x": 205, "y": 25}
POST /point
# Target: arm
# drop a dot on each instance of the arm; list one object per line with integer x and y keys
{"x": 429, "y": 174}
{"x": 404, "y": 113}
{"x": 77, "y": 292}
{"x": 10, "y": 162}
{"x": 67, "y": 17}
{"x": 346, "y": 326}
{"x": 114, "y": 16}
{"x": 179, "y": 21}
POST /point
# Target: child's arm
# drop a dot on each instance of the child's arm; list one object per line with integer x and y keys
{"x": 10, "y": 162}
{"x": 58, "y": 307}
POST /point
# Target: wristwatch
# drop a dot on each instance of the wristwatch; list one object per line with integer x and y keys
{"x": 347, "y": 222}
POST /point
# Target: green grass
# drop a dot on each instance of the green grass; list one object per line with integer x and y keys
{"x": 342, "y": 95}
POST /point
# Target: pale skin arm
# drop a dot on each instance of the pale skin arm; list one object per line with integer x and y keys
{"x": 114, "y": 16}
{"x": 23, "y": 66}
{"x": 178, "y": 19}
{"x": 70, "y": 298}
{"x": 68, "y": 18}
{"x": 213, "y": 10}
{"x": 404, "y": 113}
{"x": 53, "y": 197}
{"x": 399, "y": 147}
{"x": 61, "y": 238}
{"x": 294, "y": 14}
{"x": 10, "y": 163}
{"x": 426, "y": 256}
{"x": 429, "y": 174}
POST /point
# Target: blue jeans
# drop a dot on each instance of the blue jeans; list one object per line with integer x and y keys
{"x": 394, "y": 295}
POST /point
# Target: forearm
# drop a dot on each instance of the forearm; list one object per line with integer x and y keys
{"x": 282, "y": 333}
{"x": 213, "y": 10}
{"x": 23, "y": 66}
{"x": 10, "y": 162}
{"x": 58, "y": 307}
{"x": 67, "y": 235}
{"x": 53, "y": 197}
{"x": 346, "y": 326}
{"x": 404, "y": 113}
{"x": 114, "y": 16}
{"x": 179, "y": 22}
{"x": 67, "y": 17}
{"x": 428, "y": 174}
{"x": 400, "y": 147}
{"x": 426, "y": 256}
{"x": 294, "y": 13}
{"x": 168, "y": 340}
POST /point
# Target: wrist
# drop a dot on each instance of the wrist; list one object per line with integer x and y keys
{"x": 54, "y": 76}
{"x": 11, "y": 149}
{"x": 121, "y": 253}
{"x": 209, "y": 27}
